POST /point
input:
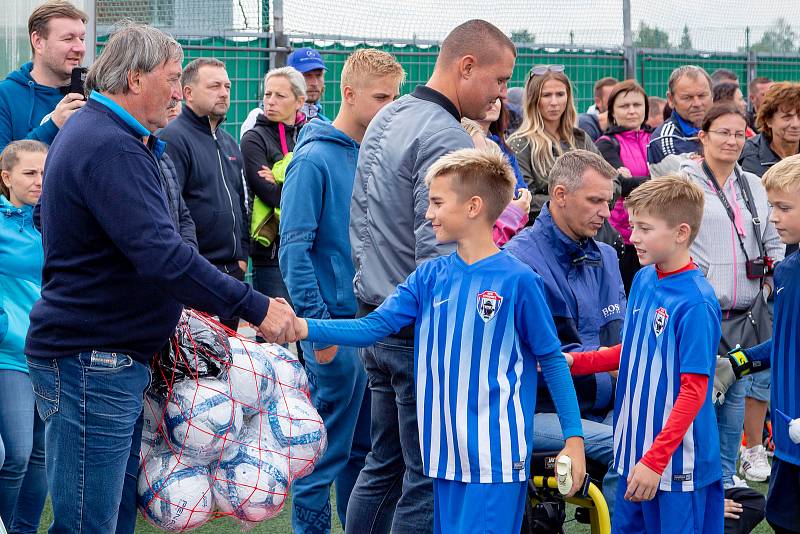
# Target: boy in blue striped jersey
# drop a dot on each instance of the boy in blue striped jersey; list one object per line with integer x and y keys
{"x": 782, "y": 182}
{"x": 481, "y": 327}
{"x": 666, "y": 445}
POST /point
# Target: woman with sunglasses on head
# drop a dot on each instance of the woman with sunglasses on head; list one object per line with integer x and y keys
{"x": 548, "y": 129}
{"x": 624, "y": 146}
{"x": 735, "y": 245}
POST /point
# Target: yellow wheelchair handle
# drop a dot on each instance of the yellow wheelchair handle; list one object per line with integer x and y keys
{"x": 594, "y": 501}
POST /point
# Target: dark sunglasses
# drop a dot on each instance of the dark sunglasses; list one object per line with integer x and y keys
{"x": 540, "y": 70}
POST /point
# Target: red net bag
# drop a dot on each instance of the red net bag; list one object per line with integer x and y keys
{"x": 227, "y": 427}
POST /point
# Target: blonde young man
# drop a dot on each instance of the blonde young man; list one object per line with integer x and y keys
{"x": 316, "y": 264}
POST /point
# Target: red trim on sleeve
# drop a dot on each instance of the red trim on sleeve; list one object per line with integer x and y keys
{"x": 690, "y": 399}
{"x": 596, "y": 361}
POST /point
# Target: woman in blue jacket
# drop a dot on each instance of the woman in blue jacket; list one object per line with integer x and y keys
{"x": 23, "y": 481}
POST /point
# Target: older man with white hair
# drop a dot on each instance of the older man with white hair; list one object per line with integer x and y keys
{"x": 116, "y": 276}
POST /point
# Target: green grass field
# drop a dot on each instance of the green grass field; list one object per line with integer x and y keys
{"x": 282, "y": 523}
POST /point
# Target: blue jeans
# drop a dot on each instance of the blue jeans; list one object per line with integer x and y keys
{"x": 90, "y": 404}
{"x": 340, "y": 395}
{"x": 730, "y": 422}
{"x": 23, "y": 479}
{"x": 598, "y": 442}
{"x": 268, "y": 280}
{"x": 392, "y": 493}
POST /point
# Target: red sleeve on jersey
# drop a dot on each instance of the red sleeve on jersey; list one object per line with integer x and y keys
{"x": 690, "y": 399}
{"x": 596, "y": 361}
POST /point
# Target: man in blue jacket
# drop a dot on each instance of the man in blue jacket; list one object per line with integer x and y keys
{"x": 584, "y": 292}
{"x": 33, "y": 99}
{"x": 115, "y": 279}
{"x": 689, "y": 96}
{"x": 318, "y": 270}
{"x": 208, "y": 165}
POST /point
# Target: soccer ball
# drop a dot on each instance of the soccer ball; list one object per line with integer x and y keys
{"x": 295, "y": 431}
{"x": 289, "y": 371}
{"x": 172, "y": 496}
{"x": 202, "y": 418}
{"x": 250, "y": 483}
{"x": 251, "y": 376}
{"x": 152, "y": 417}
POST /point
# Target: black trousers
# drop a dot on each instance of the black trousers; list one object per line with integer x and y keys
{"x": 231, "y": 269}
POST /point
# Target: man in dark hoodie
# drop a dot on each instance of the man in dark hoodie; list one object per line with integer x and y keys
{"x": 316, "y": 264}
{"x": 33, "y": 99}
{"x": 208, "y": 165}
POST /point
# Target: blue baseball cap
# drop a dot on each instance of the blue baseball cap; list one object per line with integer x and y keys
{"x": 306, "y": 59}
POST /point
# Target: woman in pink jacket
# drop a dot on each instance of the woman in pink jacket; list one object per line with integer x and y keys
{"x": 624, "y": 146}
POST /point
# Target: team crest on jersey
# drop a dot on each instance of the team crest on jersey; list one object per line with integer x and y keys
{"x": 488, "y": 305}
{"x": 660, "y": 321}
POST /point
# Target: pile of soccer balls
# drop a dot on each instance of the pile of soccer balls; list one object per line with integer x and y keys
{"x": 230, "y": 444}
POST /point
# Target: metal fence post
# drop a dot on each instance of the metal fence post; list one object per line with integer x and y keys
{"x": 279, "y": 40}
{"x": 91, "y": 32}
{"x": 752, "y": 59}
{"x": 627, "y": 41}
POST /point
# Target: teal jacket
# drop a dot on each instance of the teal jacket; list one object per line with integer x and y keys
{"x": 25, "y": 108}
{"x": 21, "y": 259}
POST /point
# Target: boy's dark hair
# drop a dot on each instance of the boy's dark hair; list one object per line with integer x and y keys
{"x": 672, "y": 198}
{"x": 724, "y": 76}
{"x": 485, "y": 173}
{"x": 724, "y": 91}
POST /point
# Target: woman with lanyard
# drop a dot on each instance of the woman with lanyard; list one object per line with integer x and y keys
{"x": 266, "y": 149}
{"x": 735, "y": 248}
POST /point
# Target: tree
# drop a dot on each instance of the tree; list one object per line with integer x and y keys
{"x": 686, "y": 39}
{"x": 648, "y": 37}
{"x": 522, "y": 37}
{"x": 779, "y": 38}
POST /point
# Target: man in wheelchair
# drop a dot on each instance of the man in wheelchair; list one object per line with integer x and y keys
{"x": 586, "y": 296}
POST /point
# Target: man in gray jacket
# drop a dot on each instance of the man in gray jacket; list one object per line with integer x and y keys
{"x": 390, "y": 236}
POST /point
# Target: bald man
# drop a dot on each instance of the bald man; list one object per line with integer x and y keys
{"x": 389, "y": 236}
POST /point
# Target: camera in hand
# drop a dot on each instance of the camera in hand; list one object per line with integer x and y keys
{"x": 76, "y": 82}
{"x": 759, "y": 268}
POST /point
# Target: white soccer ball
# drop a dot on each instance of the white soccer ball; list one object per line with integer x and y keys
{"x": 174, "y": 497}
{"x": 250, "y": 483}
{"x": 292, "y": 428}
{"x": 202, "y": 418}
{"x": 251, "y": 376}
{"x": 152, "y": 427}
{"x": 289, "y": 372}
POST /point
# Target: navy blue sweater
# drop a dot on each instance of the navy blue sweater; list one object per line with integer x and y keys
{"x": 116, "y": 271}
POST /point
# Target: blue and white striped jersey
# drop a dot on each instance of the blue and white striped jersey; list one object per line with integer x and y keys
{"x": 480, "y": 330}
{"x": 672, "y": 326}
{"x": 785, "y": 357}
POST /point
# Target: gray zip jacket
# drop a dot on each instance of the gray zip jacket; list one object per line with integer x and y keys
{"x": 389, "y": 234}
{"x": 717, "y": 251}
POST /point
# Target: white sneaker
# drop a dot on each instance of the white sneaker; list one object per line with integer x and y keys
{"x": 739, "y": 483}
{"x": 754, "y": 465}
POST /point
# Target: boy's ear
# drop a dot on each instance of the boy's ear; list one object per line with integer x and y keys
{"x": 474, "y": 207}
{"x": 684, "y": 232}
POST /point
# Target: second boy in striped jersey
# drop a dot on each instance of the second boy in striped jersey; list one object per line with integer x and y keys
{"x": 481, "y": 327}
{"x": 782, "y": 183}
{"x": 666, "y": 444}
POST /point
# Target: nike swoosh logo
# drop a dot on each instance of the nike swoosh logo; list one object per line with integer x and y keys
{"x": 636, "y": 310}
{"x": 437, "y": 304}
{"x": 779, "y": 290}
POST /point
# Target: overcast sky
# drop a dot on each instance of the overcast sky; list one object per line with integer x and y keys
{"x": 713, "y": 25}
